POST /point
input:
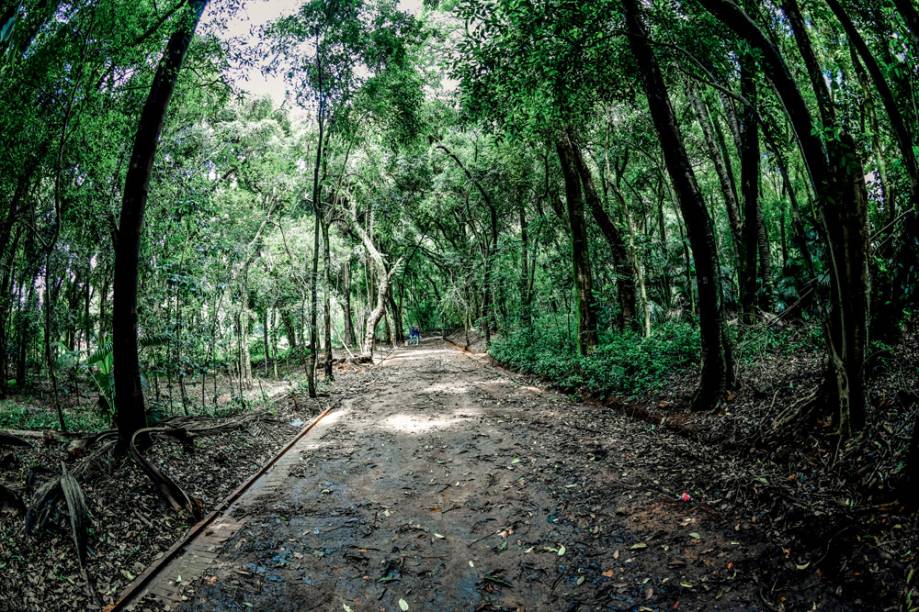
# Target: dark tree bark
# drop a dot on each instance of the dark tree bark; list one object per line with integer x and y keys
{"x": 396, "y": 312}
{"x": 327, "y": 300}
{"x": 749, "y": 188}
{"x": 835, "y": 174}
{"x": 891, "y": 292}
{"x": 625, "y": 272}
{"x": 910, "y": 15}
{"x": 6, "y": 283}
{"x": 724, "y": 173}
{"x": 289, "y": 330}
{"x": 346, "y": 301}
{"x": 131, "y": 414}
{"x": 526, "y": 318}
{"x": 580, "y": 254}
{"x": 717, "y": 362}
{"x": 317, "y": 222}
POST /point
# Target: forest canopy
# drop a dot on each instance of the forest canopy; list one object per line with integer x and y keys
{"x": 612, "y": 195}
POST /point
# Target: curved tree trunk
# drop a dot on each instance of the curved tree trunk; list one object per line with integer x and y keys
{"x": 580, "y": 255}
{"x": 840, "y": 190}
{"x": 131, "y": 414}
{"x": 749, "y": 188}
{"x": 625, "y": 271}
{"x": 717, "y": 363}
{"x": 891, "y": 302}
{"x": 725, "y": 177}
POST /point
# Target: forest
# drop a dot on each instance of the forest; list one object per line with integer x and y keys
{"x": 459, "y": 304}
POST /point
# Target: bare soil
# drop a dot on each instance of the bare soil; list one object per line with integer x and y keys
{"x": 444, "y": 483}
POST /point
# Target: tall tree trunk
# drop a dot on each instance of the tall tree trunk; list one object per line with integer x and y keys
{"x": 625, "y": 271}
{"x": 580, "y": 255}
{"x": 346, "y": 301}
{"x": 396, "y": 311}
{"x": 488, "y": 315}
{"x": 524, "y": 284}
{"x": 749, "y": 188}
{"x": 131, "y": 414}
{"x": 725, "y": 176}
{"x": 245, "y": 357}
{"x": 317, "y": 222}
{"x": 266, "y": 334}
{"x": 892, "y": 302}
{"x": 6, "y": 283}
{"x": 835, "y": 176}
{"x": 327, "y": 300}
{"x": 717, "y": 362}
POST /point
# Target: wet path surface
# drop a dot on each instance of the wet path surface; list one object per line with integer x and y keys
{"x": 442, "y": 483}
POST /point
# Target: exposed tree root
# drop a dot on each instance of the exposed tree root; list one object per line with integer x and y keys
{"x": 165, "y": 486}
{"x": 12, "y": 499}
{"x": 9, "y": 439}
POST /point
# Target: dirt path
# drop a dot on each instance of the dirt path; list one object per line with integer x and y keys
{"x": 442, "y": 483}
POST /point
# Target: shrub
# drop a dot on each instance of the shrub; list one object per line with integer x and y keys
{"x": 624, "y": 364}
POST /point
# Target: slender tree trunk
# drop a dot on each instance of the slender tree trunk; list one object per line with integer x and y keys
{"x": 725, "y": 176}
{"x": 835, "y": 175}
{"x": 131, "y": 414}
{"x": 50, "y": 298}
{"x": 346, "y": 301}
{"x": 749, "y": 187}
{"x": 892, "y": 302}
{"x": 245, "y": 357}
{"x": 625, "y": 271}
{"x": 5, "y": 303}
{"x": 488, "y": 315}
{"x": 317, "y": 222}
{"x": 327, "y": 300}
{"x": 396, "y": 312}
{"x": 580, "y": 255}
{"x": 717, "y": 362}
{"x": 526, "y": 319}
{"x": 266, "y": 333}
{"x": 183, "y": 392}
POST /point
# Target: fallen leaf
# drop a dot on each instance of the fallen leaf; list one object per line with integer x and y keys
{"x": 638, "y": 546}
{"x": 562, "y": 550}
{"x": 695, "y": 535}
{"x": 403, "y": 605}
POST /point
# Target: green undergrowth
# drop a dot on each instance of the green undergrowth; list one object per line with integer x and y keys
{"x": 17, "y": 416}
{"x": 623, "y": 365}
